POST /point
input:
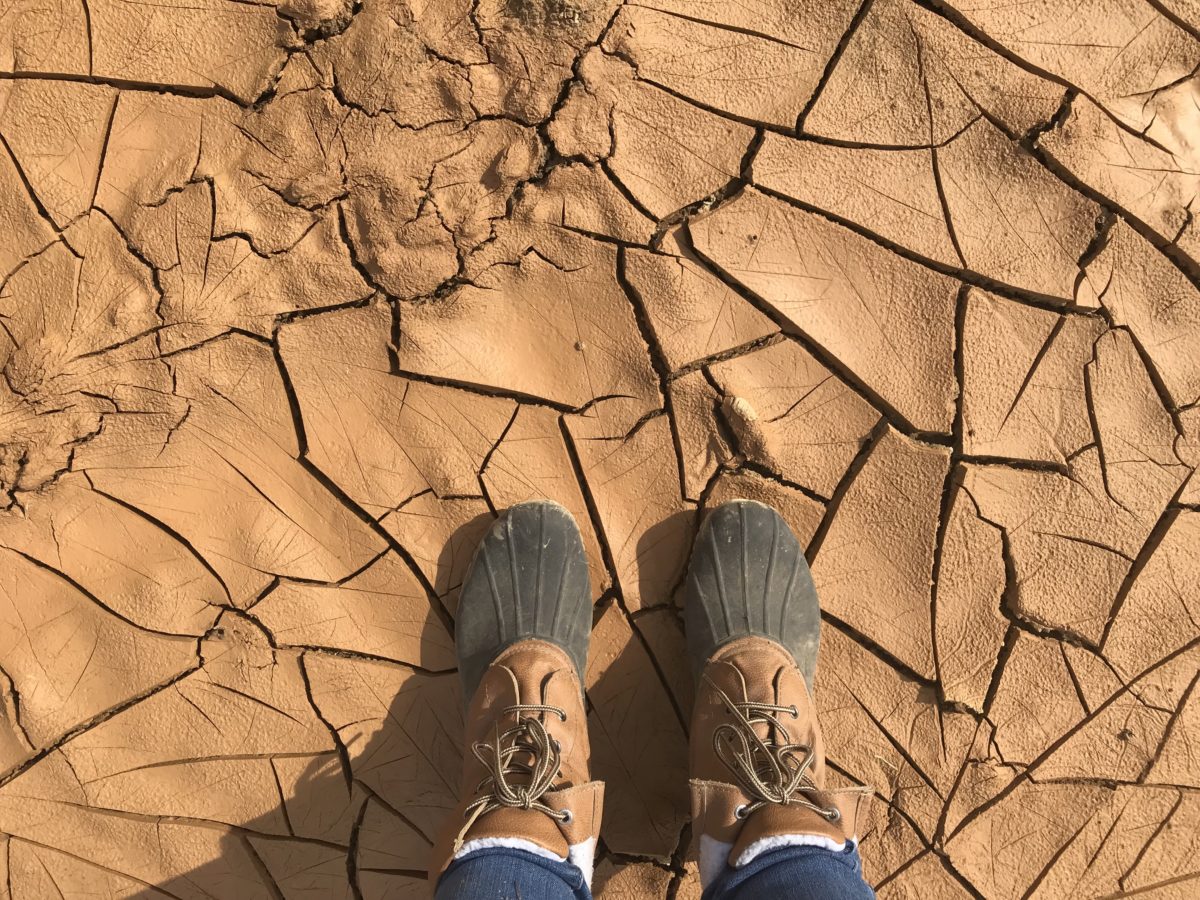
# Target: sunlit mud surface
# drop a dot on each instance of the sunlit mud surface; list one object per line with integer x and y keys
{"x": 295, "y": 299}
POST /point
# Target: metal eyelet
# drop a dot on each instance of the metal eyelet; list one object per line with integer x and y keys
{"x": 740, "y": 812}
{"x": 795, "y": 713}
{"x": 834, "y": 814}
{"x": 567, "y": 817}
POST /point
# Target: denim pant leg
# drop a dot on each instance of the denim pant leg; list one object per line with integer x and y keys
{"x": 794, "y": 873}
{"x": 503, "y": 873}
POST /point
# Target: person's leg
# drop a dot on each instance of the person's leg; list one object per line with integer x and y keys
{"x": 502, "y": 873}
{"x": 767, "y": 824}
{"x": 794, "y": 873}
{"x": 528, "y": 815}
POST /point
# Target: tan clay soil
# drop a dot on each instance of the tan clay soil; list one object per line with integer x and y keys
{"x": 295, "y": 299}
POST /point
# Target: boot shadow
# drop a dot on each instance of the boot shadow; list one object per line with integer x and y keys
{"x": 399, "y": 731}
{"x": 365, "y": 812}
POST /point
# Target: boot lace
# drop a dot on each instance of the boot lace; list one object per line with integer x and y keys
{"x": 773, "y": 769}
{"x": 525, "y": 751}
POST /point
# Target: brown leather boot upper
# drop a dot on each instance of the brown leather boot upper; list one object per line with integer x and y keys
{"x": 758, "y": 759}
{"x": 526, "y": 760}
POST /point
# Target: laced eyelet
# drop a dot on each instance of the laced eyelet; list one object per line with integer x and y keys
{"x": 833, "y": 814}
{"x": 567, "y": 817}
{"x": 557, "y": 745}
{"x": 795, "y": 713}
{"x": 740, "y": 812}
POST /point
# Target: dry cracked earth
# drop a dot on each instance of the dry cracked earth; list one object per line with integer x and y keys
{"x": 294, "y": 299}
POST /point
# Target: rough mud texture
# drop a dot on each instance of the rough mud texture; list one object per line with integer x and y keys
{"x": 295, "y": 298}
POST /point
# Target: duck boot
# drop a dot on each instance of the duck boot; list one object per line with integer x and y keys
{"x": 521, "y": 629}
{"x": 758, "y": 778}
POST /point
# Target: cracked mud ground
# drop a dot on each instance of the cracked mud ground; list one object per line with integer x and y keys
{"x": 294, "y": 299}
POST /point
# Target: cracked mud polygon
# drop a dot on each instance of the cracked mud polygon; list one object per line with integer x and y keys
{"x": 295, "y": 298}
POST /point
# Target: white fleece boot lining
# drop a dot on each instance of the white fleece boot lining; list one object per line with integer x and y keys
{"x": 775, "y": 841}
{"x": 582, "y": 855}
{"x": 714, "y": 854}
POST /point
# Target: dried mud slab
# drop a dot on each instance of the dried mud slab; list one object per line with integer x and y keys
{"x": 56, "y": 131}
{"x": 582, "y": 343}
{"x": 30, "y": 229}
{"x": 532, "y": 49}
{"x": 664, "y": 151}
{"x": 1138, "y": 52}
{"x": 693, "y": 314}
{"x": 401, "y": 733}
{"x": 532, "y": 462}
{"x": 78, "y": 325}
{"x": 440, "y": 536}
{"x": 885, "y": 732}
{"x": 230, "y": 48}
{"x": 43, "y": 616}
{"x": 698, "y": 420}
{"x": 212, "y": 286}
{"x": 909, "y": 78}
{"x": 50, "y": 37}
{"x": 893, "y": 843}
{"x": 221, "y": 469}
{"x": 583, "y": 199}
{"x": 1007, "y": 846}
{"x": 792, "y": 416}
{"x": 1024, "y": 380}
{"x": 246, "y": 702}
{"x": 1135, "y": 435}
{"x": 1110, "y": 844}
{"x": 466, "y": 178}
{"x": 638, "y": 743}
{"x": 153, "y": 148}
{"x": 1147, "y": 182}
{"x": 765, "y": 77}
{"x": 978, "y": 202}
{"x": 382, "y": 611}
{"x": 1158, "y": 305}
{"x": 617, "y": 881}
{"x": 222, "y": 47}
{"x": 1035, "y": 702}
{"x": 969, "y": 587}
{"x": 297, "y": 298}
{"x": 1164, "y": 860}
{"x": 844, "y": 293}
{"x": 403, "y": 62}
{"x": 1156, "y": 614}
{"x": 384, "y": 439}
{"x": 881, "y": 542}
{"x": 1071, "y": 543}
{"x": 82, "y": 535}
{"x": 631, "y": 474}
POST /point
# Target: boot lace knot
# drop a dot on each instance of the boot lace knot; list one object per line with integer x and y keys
{"x": 523, "y": 762}
{"x": 772, "y": 769}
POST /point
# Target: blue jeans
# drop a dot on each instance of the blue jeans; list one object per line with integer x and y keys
{"x": 790, "y": 873}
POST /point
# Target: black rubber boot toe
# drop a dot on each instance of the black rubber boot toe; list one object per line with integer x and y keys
{"x": 529, "y": 579}
{"x": 748, "y": 576}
